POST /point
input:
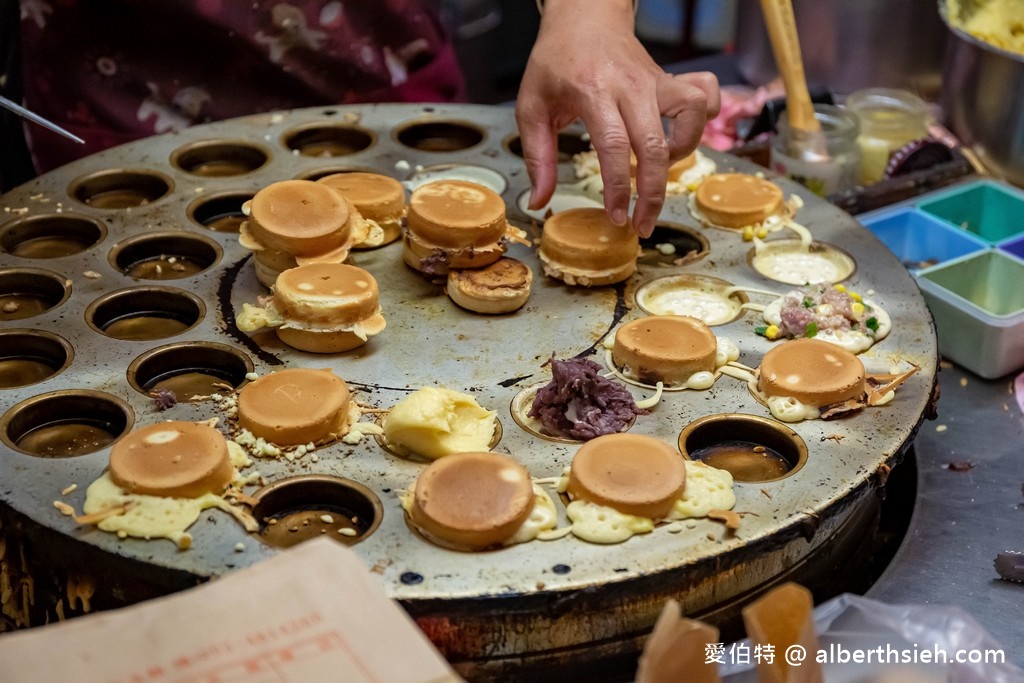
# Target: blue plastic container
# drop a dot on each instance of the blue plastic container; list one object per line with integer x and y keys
{"x": 920, "y": 240}
{"x": 1014, "y": 246}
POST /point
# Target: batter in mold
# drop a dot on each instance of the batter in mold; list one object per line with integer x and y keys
{"x": 161, "y": 477}
{"x": 622, "y": 485}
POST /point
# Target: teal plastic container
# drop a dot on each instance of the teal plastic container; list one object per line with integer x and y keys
{"x": 993, "y": 211}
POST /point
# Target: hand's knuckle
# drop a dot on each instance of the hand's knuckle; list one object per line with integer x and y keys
{"x": 653, "y": 197}
{"x": 654, "y": 148}
{"x": 613, "y": 142}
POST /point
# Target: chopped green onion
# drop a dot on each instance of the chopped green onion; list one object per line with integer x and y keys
{"x": 811, "y": 330}
{"x": 872, "y": 324}
{"x": 761, "y": 330}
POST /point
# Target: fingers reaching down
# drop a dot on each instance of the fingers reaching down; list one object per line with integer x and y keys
{"x": 587, "y": 64}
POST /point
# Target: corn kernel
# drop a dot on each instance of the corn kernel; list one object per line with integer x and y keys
{"x": 858, "y": 309}
{"x": 762, "y": 232}
{"x": 771, "y": 332}
{"x": 691, "y": 187}
{"x": 839, "y": 288}
{"x": 856, "y": 297}
{"x": 748, "y": 233}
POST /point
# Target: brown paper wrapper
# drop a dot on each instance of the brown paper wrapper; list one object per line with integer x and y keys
{"x": 784, "y": 619}
{"x": 676, "y": 650}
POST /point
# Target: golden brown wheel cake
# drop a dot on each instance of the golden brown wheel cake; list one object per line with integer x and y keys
{"x": 295, "y": 406}
{"x": 736, "y": 200}
{"x": 297, "y": 222}
{"x": 327, "y": 307}
{"x": 455, "y": 224}
{"x": 632, "y": 473}
{"x": 674, "y": 171}
{"x": 664, "y": 348}
{"x": 502, "y": 287}
{"x": 378, "y": 198}
{"x": 682, "y": 166}
{"x": 173, "y": 460}
{"x": 472, "y": 501}
{"x": 583, "y": 247}
{"x": 814, "y": 372}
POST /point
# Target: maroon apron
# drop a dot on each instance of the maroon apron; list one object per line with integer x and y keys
{"x": 113, "y": 71}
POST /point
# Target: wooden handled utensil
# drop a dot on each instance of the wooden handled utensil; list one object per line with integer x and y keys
{"x": 778, "y": 17}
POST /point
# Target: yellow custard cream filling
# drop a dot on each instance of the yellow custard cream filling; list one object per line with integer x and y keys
{"x": 435, "y": 422}
{"x": 707, "y": 488}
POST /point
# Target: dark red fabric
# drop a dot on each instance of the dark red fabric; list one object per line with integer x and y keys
{"x": 113, "y": 71}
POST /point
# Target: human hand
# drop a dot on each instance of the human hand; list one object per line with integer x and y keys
{"x": 587, "y": 64}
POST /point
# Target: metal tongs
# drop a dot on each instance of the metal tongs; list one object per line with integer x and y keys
{"x": 36, "y": 118}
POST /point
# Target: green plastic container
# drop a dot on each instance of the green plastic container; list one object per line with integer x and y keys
{"x": 978, "y": 305}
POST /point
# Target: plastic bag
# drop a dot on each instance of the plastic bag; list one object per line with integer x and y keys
{"x": 905, "y": 644}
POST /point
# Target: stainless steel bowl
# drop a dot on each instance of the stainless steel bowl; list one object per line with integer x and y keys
{"x": 983, "y": 101}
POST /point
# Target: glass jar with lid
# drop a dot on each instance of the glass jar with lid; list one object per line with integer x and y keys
{"x": 889, "y": 119}
{"x": 825, "y": 163}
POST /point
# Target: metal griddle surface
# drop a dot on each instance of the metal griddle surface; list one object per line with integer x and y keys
{"x": 430, "y": 342}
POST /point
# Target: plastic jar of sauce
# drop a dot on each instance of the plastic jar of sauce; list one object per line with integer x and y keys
{"x": 889, "y": 119}
{"x": 823, "y": 171}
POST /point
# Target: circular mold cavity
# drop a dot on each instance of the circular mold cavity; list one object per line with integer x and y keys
{"x": 324, "y": 171}
{"x": 792, "y": 263}
{"x": 164, "y": 255}
{"x": 416, "y": 457}
{"x": 219, "y": 212}
{"x": 145, "y": 313}
{"x": 189, "y": 369}
{"x": 294, "y": 510}
{"x": 219, "y": 158}
{"x": 320, "y": 140}
{"x": 672, "y": 245}
{"x": 120, "y": 189}
{"x": 568, "y": 145}
{"x": 64, "y": 424}
{"x": 51, "y": 235}
{"x": 707, "y": 298}
{"x": 750, "y": 447}
{"x": 440, "y": 136}
{"x": 520, "y": 409}
{"x": 565, "y": 197}
{"x": 31, "y": 356}
{"x": 474, "y": 174}
{"x": 28, "y": 292}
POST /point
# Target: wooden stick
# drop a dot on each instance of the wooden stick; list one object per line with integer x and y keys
{"x": 778, "y": 17}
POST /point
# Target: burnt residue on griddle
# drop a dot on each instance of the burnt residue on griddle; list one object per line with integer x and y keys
{"x": 370, "y": 387}
{"x": 512, "y": 381}
{"x": 621, "y": 308}
{"x": 227, "y": 313}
